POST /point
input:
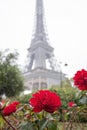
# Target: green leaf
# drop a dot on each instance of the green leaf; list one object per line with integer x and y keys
{"x": 83, "y": 100}
{"x": 52, "y": 125}
{"x": 1, "y": 122}
{"x": 26, "y": 126}
{"x": 43, "y": 124}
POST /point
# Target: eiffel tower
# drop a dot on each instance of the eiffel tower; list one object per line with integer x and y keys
{"x": 42, "y": 69}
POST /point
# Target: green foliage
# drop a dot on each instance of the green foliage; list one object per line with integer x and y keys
{"x": 26, "y": 126}
{"x": 52, "y": 125}
{"x": 23, "y": 98}
{"x": 11, "y": 79}
{"x": 1, "y": 122}
{"x": 39, "y": 121}
{"x": 66, "y": 94}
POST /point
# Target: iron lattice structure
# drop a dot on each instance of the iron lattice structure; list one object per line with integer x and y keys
{"x": 40, "y": 54}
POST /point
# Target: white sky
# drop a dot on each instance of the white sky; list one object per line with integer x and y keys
{"x": 66, "y": 24}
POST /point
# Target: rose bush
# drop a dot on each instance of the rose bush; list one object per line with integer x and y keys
{"x": 39, "y": 113}
{"x": 78, "y": 112}
{"x": 42, "y": 111}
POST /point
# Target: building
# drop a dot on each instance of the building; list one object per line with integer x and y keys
{"x": 41, "y": 69}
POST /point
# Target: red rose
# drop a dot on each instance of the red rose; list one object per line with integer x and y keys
{"x": 80, "y": 79}
{"x": 10, "y": 108}
{"x": 45, "y": 100}
{"x": 71, "y": 104}
{"x": 15, "y": 103}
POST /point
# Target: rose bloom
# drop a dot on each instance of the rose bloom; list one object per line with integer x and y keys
{"x": 15, "y": 103}
{"x": 10, "y": 108}
{"x": 45, "y": 100}
{"x": 71, "y": 104}
{"x": 80, "y": 79}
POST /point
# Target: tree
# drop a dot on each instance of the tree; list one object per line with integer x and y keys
{"x": 11, "y": 79}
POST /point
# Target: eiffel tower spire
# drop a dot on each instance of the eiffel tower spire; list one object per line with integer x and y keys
{"x": 40, "y": 27}
{"x": 40, "y": 50}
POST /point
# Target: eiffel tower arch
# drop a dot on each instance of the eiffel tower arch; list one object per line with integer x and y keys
{"x": 40, "y": 54}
